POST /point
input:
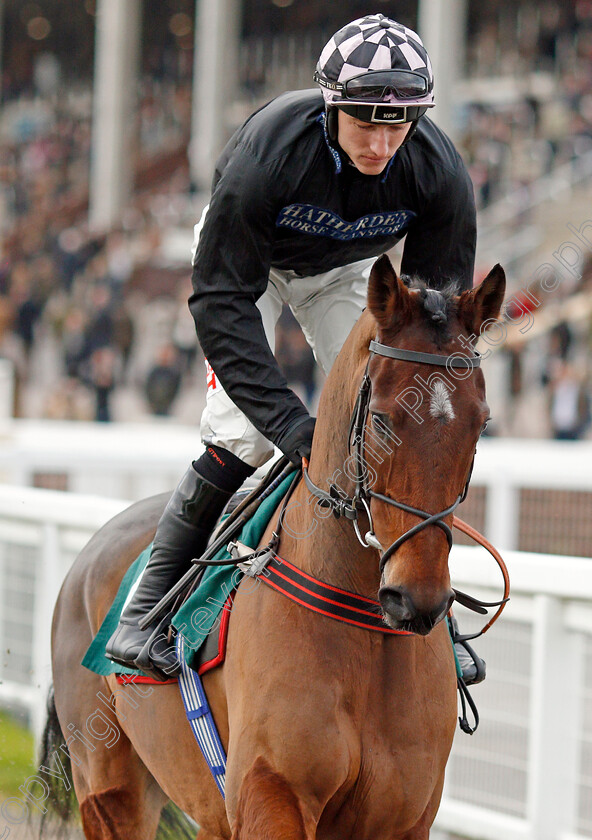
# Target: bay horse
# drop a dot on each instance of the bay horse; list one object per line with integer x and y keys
{"x": 331, "y": 731}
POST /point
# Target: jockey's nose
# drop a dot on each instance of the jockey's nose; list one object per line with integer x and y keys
{"x": 379, "y": 143}
{"x": 401, "y": 613}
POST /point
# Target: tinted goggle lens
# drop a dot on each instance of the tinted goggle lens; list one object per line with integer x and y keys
{"x": 374, "y": 87}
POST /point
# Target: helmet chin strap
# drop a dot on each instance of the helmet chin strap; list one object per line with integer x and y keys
{"x": 331, "y": 122}
{"x": 411, "y": 132}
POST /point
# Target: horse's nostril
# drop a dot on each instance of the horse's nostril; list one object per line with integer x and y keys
{"x": 396, "y": 603}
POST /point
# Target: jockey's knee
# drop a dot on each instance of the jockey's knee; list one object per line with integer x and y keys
{"x": 254, "y": 449}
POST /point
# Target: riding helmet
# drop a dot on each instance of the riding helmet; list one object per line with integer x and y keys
{"x": 376, "y": 70}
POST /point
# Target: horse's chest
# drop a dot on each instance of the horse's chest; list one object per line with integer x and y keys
{"x": 356, "y": 726}
{"x": 389, "y": 796}
{"x": 397, "y": 776}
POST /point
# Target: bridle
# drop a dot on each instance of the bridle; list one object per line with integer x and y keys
{"x": 360, "y": 501}
{"x": 352, "y": 507}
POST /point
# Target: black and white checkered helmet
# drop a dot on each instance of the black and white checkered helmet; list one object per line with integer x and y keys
{"x": 373, "y": 43}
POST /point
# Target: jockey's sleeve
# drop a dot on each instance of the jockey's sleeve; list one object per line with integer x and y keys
{"x": 230, "y": 274}
{"x": 443, "y": 237}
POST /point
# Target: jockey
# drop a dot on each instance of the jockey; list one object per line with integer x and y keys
{"x": 307, "y": 193}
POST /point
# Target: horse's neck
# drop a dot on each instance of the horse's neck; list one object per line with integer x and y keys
{"x": 319, "y": 543}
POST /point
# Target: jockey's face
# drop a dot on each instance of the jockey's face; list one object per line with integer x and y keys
{"x": 369, "y": 146}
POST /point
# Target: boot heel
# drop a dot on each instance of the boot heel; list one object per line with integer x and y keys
{"x": 158, "y": 657}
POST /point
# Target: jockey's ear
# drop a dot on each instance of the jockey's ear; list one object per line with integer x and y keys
{"x": 482, "y": 305}
{"x": 388, "y": 298}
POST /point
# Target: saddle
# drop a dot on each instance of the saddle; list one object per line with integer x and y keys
{"x": 209, "y": 587}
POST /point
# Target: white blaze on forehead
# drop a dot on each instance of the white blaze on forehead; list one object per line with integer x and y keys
{"x": 440, "y": 402}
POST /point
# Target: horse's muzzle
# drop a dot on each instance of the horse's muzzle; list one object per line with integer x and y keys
{"x": 401, "y": 613}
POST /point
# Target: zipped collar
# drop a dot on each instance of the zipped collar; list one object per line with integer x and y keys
{"x": 322, "y": 119}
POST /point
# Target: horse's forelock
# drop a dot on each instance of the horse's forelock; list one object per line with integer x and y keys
{"x": 437, "y": 305}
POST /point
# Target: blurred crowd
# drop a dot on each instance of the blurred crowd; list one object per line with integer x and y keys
{"x": 87, "y": 315}
{"x": 70, "y": 297}
{"x": 545, "y": 372}
{"x": 535, "y": 110}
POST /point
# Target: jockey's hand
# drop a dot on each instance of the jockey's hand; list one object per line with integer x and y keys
{"x": 297, "y": 442}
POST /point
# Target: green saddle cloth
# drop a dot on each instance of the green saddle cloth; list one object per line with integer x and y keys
{"x": 200, "y": 612}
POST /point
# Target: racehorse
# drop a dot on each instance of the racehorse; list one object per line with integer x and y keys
{"x": 331, "y": 731}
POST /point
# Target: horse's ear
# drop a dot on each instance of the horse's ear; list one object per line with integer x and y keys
{"x": 483, "y": 304}
{"x": 388, "y": 297}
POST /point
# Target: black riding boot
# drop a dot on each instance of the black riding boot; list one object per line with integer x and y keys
{"x": 181, "y": 535}
{"x": 471, "y": 665}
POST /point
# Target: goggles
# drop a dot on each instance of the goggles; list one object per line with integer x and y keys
{"x": 377, "y": 85}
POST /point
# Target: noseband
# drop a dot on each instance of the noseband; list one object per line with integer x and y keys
{"x": 352, "y": 507}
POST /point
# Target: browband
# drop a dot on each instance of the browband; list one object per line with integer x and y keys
{"x": 456, "y": 360}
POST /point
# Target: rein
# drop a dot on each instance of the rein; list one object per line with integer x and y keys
{"x": 351, "y": 508}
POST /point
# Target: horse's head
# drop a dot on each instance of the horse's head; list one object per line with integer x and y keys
{"x": 425, "y": 416}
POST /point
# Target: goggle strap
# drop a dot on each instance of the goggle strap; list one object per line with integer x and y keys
{"x": 386, "y": 84}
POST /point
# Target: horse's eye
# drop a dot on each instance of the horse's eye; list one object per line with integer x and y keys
{"x": 485, "y": 425}
{"x": 381, "y": 423}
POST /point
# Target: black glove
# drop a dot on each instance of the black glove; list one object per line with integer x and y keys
{"x": 297, "y": 442}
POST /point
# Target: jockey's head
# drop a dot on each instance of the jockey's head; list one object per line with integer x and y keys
{"x": 376, "y": 71}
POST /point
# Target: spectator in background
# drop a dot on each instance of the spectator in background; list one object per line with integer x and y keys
{"x": 294, "y": 356}
{"x": 123, "y": 336}
{"x": 570, "y": 403}
{"x": 102, "y": 377}
{"x": 73, "y": 248}
{"x": 119, "y": 263}
{"x": 99, "y": 331}
{"x": 73, "y": 342}
{"x": 163, "y": 381}
{"x": 28, "y": 299}
{"x": 562, "y": 340}
{"x": 10, "y": 348}
{"x": 184, "y": 335}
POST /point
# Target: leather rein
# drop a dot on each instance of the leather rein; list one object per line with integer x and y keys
{"x": 352, "y": 507}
